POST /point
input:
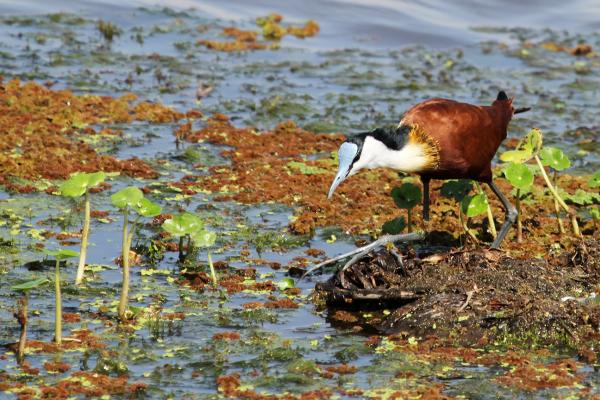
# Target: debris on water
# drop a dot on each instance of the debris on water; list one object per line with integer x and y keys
{"x": 471, "y": 295}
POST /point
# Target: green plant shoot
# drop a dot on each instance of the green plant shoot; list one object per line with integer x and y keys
{"x": 521, "y": 177}
{"x": 407, "y": 197}
{"x": 206, "y": 238}
{"x": 529, "y": 148}
{"x": 59, "y": 255}
{"x": 191, "y": 226}
{"x": 182, "y": 226}
{"x": 472, "y": 206}
{"x": 557, "y": 160}
{"x": 77, "y": 185}
{"x": 458, "y": 190}
{"x": 130, "y": 199}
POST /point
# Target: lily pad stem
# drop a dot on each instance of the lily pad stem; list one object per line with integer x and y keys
{"x": 22, "y": 312}
{"x": 558, "y": 198}
{"x": 561, "y": 227}
{"x": 212, "y": 269}
{"x": 85, "y": 233}
{"x": 124, "y": 300}
{"x": 519, "y": 219}
{"x": 57, "y": 305}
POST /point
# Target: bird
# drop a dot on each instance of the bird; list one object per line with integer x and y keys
{"x": 436, "y": 139}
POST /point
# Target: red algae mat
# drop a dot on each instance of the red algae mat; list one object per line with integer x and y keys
{"x": 41, "y": 128}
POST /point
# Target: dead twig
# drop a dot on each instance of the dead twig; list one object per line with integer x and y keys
{"x": 470, "y": 294}
{"x": 361, "y": 251}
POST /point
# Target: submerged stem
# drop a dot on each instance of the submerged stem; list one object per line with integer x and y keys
{"x": 124, "y": 300}
{"x": 212, "y": 269}
{"x": 85, "y": 233}
{"x": 57, "y": 305}
{"x": 181, "y": 255}
{"x": 558, "y": 198}
{"x": 22, "y": 312}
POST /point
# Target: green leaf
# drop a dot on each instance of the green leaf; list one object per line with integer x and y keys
{"x": 394, "y": 226}
{"x": 528, "y": 147}
{"x": 456, "y": 189}
{"x": 61, "y": 254}
{"x": 582, "y": 198}
{"x": 519, "y": 175}
{"x": 594, "y": 181}
{"x": 406, "y": 196}
{"x": 595, "y": 213}
{"x": 473, "y": 206}
{"x": 192, "y": 222}
{"x": 517, "y": 156}
{"x": 174, "y": 227}
{"x": 25, "y": 286}
{"x": 95, "y": 178}
{"x": 75, "y": 186}
{"x": 532, "y": 142}
{"x": 286, "y": 283}
{"x": 204, "y": 238}
{"x": 80, "y": 182}
{"x": 147, "y": 208}
{"x": 183, "y": 224}
{"x": 128, "y": 197}
{"x": 554, "y": 158}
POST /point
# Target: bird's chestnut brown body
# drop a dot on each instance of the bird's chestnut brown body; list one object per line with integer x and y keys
{"x": 466, "y": 136}
{"x": 437, "y": 139}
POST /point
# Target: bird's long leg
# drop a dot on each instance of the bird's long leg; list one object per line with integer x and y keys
{"x": 425, "y": 182}
{"x": 359, "y": 252}
{"x": 511, "y": 215}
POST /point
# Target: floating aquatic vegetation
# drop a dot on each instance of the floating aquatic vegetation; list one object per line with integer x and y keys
{"x": 271, "y": 30}
{"x": 41, "y": 126}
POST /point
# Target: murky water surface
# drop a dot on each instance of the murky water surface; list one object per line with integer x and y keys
{"x": 370, "y": 62}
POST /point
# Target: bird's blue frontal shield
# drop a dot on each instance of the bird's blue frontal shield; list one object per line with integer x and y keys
{"x": 346, "y": 155}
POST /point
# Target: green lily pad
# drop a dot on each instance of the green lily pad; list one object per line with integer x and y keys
{"x": 61, "y": 254}
{"x": 519, "y": 175}
{"x": 204, "y": 238}
{"x": 147, "y": 208}
{"x": 80, "y": 182}
{"x": 128, "y": 197}
{"x": 183, "y": 224}
{"x": 473, "y": 206}
{"x": 554, "y": 158}
{"x": 394, "y": 226}
{"x": 406, "y": 196}
{"x": 456, "y": 189}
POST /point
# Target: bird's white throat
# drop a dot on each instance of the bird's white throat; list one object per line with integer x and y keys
{"x": 375, "y": 154}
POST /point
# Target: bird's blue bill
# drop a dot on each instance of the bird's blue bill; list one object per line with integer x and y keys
{"x": 346, "y": 155}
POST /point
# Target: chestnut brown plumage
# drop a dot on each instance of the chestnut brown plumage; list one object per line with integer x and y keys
{"x": 437, "y": 139}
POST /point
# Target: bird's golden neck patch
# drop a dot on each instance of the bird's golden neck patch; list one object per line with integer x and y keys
{"x": 431, "y": 147}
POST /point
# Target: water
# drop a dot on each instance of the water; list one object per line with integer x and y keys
{"x": 369, "y": 63}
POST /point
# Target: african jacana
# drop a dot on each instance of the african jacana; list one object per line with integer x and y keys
{"x": 436, "y": 139}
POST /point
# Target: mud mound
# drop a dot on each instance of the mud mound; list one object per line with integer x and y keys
{"x": 473, "y": 296}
